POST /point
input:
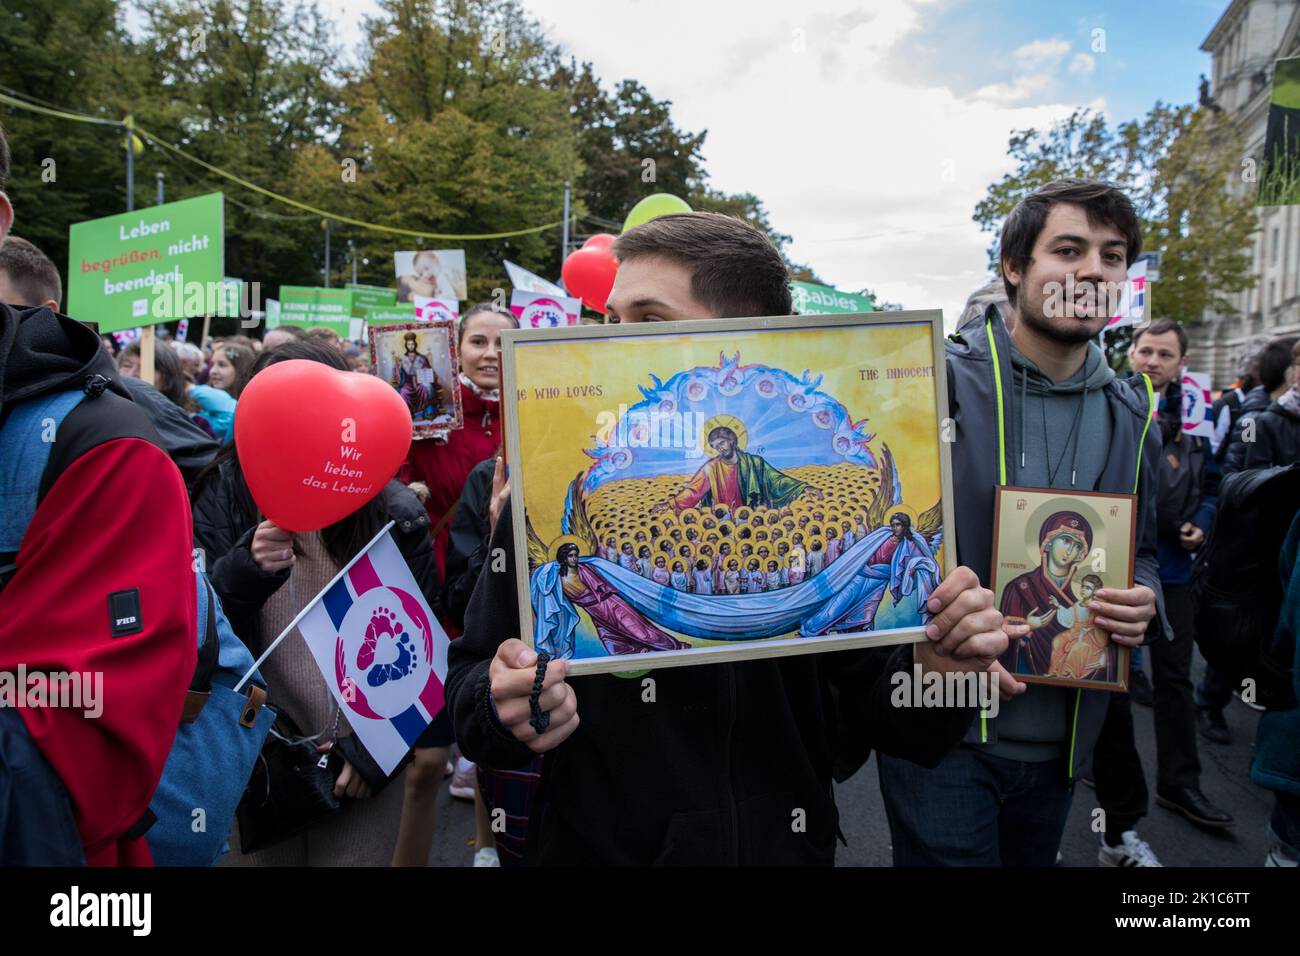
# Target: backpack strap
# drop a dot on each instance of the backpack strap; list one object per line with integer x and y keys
{"x": 26, "y": 440}
{"x": 209, "y": 652}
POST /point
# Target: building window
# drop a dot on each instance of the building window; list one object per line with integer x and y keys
{"x": 1277, "y": 243}
{"x": 1272, "y": 293}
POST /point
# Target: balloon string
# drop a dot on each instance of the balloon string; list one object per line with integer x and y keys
{"x": 311, "y": 604}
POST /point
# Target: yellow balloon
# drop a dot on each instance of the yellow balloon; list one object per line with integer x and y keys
{"x": 660, "y": 204}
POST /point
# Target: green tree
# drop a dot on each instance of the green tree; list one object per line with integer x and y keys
{"x": 1175, "y": 163}
{"x": 452, "y": 131}
{"x": 629, "y": 144}
{"x": 249, "y": 84}
{"x": 63, "y": 171}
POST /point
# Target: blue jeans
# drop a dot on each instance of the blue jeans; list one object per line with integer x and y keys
{"x": 975, "y": 809}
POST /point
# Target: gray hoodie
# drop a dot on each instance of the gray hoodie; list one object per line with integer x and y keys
{"x": 992, "y": 398}
{"x": 1062, "y": 431}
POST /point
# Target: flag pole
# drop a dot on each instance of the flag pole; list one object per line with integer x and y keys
{"x": 311, "y": 604}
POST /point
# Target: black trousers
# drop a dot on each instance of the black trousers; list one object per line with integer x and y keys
{"x": 1175, "y": 710}
{"x": 1116, "y": 766}
{"x": 1117, "y": 771}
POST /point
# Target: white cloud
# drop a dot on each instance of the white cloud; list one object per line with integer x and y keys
{"x": 875, "y": 177}
{"x": 1041, "y": 54}
{"x": 1019, "y": 90}
{"x": 1083, "y": 64}
{"x": 1036, "y": 66}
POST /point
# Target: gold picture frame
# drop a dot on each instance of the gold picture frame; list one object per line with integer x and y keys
{"x": 1051, "y": 550}
{"x": 817, "y": 424}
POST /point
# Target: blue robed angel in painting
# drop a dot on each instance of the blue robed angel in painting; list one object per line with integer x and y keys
{"x": 901, "y": 563}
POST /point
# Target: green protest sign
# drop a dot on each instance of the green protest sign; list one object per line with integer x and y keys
{"x": 399, "y": 314}
{"x": 308, "y": 306}
{"x": 812, "y": 299}
{"x": 370, "y": 297}
{"x": 148, "y": 266}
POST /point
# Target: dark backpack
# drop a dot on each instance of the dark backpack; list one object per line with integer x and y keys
{"x": 1179, "y": 489}
{"x": 1232, "y": 401}
{"x": 220, "y": 733}
{"x": 1236, "y": 585}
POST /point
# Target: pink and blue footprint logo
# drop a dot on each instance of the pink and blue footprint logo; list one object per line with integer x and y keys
{"x": 385, "y": 627}
{"x": 384, "y": 660}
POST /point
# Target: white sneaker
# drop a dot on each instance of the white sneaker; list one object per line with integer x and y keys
{"x": 487, "y": 857}
{"x": 1277, "y": 856}
{"x": 1132, "y": 851}
{"x": 462, "y": 781}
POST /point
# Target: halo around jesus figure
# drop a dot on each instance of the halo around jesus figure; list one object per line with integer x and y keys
{"x": 733, "y": 478}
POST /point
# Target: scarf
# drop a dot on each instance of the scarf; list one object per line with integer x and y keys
{"x": 1290, "y": 400}
{"x": 487, "y": 394}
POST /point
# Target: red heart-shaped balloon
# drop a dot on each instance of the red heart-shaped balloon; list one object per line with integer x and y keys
{"x": 601, "y": 240}
{"x": 589, "y": 274}
{"x": 315, "y": 444}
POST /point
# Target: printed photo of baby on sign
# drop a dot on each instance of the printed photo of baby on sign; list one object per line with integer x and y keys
{"x": 1052, "y": 553}
{"x": 432, "y": 273}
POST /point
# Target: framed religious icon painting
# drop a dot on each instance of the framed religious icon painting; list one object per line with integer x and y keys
{"x": 419, "y": 360}
{"x": 689, "y": 492}
{"x": 1052, "y": 551}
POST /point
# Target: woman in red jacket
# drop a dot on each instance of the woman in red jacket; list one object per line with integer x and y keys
{"x": 443, "y": 465}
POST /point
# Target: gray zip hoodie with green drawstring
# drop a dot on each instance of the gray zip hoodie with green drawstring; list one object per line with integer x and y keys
{"x": 1062, "y": 432}
{"x": 1001, "y": 406}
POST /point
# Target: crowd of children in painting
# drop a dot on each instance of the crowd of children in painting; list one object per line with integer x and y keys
{"x": 756, "y": 549}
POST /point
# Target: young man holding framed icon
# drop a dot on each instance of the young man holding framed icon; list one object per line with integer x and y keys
{"x": 717, "y": 764}
{"x": 1038, "y": 408}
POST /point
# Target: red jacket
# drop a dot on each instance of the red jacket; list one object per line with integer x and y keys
{"x": 116, "y": 518}
{"x": 444, "y": 467}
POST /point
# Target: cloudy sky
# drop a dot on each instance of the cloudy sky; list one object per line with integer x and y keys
{"x": 871, "y": 129}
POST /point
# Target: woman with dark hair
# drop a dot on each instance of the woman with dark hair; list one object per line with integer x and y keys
{"x": 251, "y": 562}
{"x": 215, "y": 416}
{"x": 211, "y": 409}
{"x": 169, "y": 377}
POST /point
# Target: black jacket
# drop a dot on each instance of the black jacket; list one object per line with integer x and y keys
{"x": 707, "y": 764}
{"x": 1277, "y": 438}
{"x": 1234, "y": 459}
{"x": 467, "y": 547}
{"x": 188, "y": 445}
{"x": 225, "y": 519}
